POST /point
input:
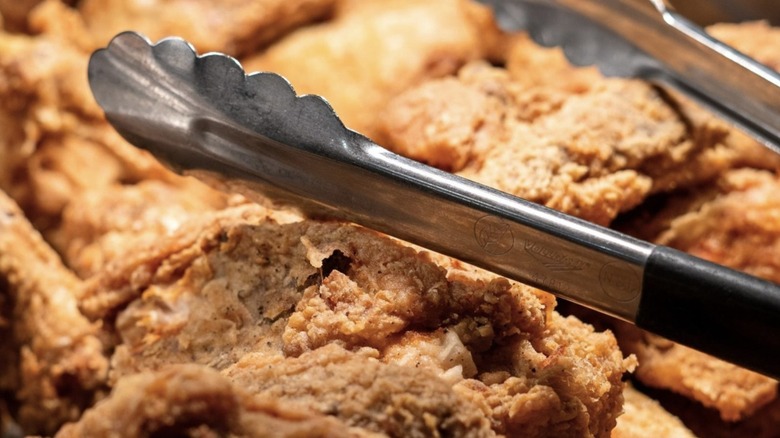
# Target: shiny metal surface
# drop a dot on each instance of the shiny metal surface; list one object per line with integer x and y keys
{"x": 204, "y": 115}
{"x": 647, "y": 39}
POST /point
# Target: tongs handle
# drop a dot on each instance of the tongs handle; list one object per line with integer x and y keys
{"x": 725, "y": 313}
{"x": 205, "y": 114}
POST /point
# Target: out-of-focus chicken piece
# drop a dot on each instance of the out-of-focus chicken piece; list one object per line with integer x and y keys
{"x": 58, "y": 150}
{"x": 706, "y": 422}
{"x": 643, "y": 417}
{"x": 192, "y": 400}
{"x": 736, "y": 223}
{"x": 13, "y": 14}
{"x": 593, "y": 154}
{"x": 735, "y": 392}
{"x": 104, "y": 224}
{"x": 372, "y": 50}
{"x": 531, "y": 65}
{"x": 54, "y": 140}
{"x": 60, "y": 358}
{"x": 362, "y": 391}
{"x": 236, "y": 27}
{"x": 757, "y": 39}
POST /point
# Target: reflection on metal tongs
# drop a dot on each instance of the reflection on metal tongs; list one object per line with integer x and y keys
{"x": 202, "y": 115}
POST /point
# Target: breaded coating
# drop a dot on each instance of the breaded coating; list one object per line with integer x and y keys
{"x": 374, "y": 49}
{"x": 592, "y": 153}
{"x": 363, "y": 392}
{"x": 206, "y": 315}
{"x": 235, "y": 27}
{"x": 58, "y": 353}
{"x": 244, "y": 284}
{"x": 733, "y": 222}
{"x": 643, "y": 417}
{"x": 192, "y": 400}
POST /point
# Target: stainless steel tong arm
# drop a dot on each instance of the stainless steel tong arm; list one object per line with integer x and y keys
{"x": 204, "y": 115}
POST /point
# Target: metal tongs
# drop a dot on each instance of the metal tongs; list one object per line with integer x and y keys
{"x": 649, "y": 40}
{"x": 203, "y": 115}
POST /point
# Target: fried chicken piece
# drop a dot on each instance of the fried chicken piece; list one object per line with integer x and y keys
{"x": 60, "y": 357}
{"x": 362, "y": 391}
{"x": 238, "y": 283}
{"x": 643, "y": 417}
{"x": 54, "y": 140}
{"x": 235, "y": 27}
{"x": 101, "y": 225}
{"x": 531, "y": 65}
{"x": 192, "y": 400}
{"x": 374, "y": 49}
{"x": 593, "y": 153}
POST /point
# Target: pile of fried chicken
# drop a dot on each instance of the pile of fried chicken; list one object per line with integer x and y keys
{"x": 136, "y": 302}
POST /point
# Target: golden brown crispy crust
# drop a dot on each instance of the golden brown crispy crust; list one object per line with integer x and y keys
{"x": 372, "y": 50}
{"x": 735, "y": 392}
{"x": 236, "y": 27}
{"x": 60, "y": 358}
{"x": 644, "y": 417}
{"x": 362, "y": 391}
{"x": 192, "y": 400}
{"x": 237, "y": 291}
{"x": 592, "y": 152}
{"x": 732, "y": 222}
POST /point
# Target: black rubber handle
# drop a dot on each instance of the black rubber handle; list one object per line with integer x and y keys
{"x": 722, "y": 312}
